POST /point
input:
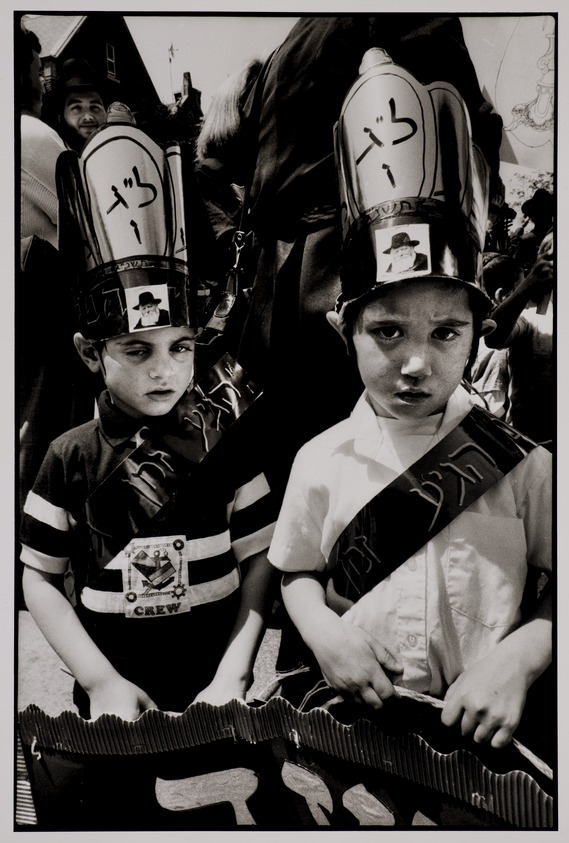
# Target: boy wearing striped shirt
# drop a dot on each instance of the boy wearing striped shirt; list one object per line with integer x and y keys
{"x": 144, "y": 537}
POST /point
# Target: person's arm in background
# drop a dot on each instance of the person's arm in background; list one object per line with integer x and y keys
{"x": 536, "y": 284}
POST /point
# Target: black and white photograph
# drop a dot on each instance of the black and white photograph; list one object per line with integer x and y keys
{"x": 404, "y": 253}
{"x": 287, "y": 437}
{"x": 147, "y": 312}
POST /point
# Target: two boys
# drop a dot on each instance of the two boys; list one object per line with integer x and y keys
{"x": 446, "y": 618}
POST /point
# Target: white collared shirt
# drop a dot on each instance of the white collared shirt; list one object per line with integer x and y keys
{"x": 453, "y": 600}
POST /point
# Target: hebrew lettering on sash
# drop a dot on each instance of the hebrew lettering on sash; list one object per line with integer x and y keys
{"x": 358, "y": 559}
{"x": 468, "y": 473}
{"x": 437, "y": 501}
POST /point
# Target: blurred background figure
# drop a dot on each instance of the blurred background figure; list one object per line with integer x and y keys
{"x": 524, "y": 326}
{"x": 499, "y": 228}
{"x": 490, "y": 376}
{"x": 538, "y": 211}
{"x": 79, "y": 103}
{"x": 40, "y": 148}
{"x": 223, "y": 171}
{"x": 222, "y": 152}
{"x": 53, "y": 393}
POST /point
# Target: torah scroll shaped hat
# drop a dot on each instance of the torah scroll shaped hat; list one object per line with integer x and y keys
{"x": 122, "y": 229}
{"x": 409, "y": 174}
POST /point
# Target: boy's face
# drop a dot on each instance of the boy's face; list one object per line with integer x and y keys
{"x": 412, "y": 345}
{"x": 147, "y": 372}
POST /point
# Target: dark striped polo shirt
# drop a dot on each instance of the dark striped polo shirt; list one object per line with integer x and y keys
{"x": 183, "y": 568}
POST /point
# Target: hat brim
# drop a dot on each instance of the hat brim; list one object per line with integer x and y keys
{"x": 479, "y": 299}
{"x": 154, "y": 301}
{"x": 407, "y": 243}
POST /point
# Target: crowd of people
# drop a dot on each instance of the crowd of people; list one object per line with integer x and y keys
{"x": 384, "y": 335}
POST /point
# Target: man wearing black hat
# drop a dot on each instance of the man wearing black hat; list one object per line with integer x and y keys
{"x": 80, "y": 102}
{"x": 404, "y": 258}
{"x": 151, "y": 316}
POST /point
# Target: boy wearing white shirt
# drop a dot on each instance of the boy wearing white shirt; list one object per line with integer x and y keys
{"x": 408, "y": 531}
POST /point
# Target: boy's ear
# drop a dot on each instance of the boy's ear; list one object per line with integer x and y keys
{"x": 87, "y": 352}
{"x": 488, "y": 325}
{"x": 333, "y": 319}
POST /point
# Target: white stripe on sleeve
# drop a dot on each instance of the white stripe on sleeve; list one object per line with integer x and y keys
{"x": 251, "y": 492}
{"x": 47, "y": 513}
{"x": 43, "y": 562}
{"x": 253, "y": 543}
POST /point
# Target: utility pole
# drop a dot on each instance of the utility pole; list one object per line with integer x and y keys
{"x": 171, "y": 51}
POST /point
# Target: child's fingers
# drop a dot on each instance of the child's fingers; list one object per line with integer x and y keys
{"x": 370, "y": 697}
{"x": 452, "y": 709}
{"x": 384, "y": 657}
{"x": 380, "y": 688}
{"x": 502, "y": 737}
{"x": 483, "y": 732}
{"x": 375, "y": 694}
{"x": 494, "y": 733}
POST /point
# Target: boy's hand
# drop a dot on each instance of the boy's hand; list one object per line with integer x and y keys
{"x": 121, "y": 697}
{"x": 489, "y": 697}
{"x": 488, "y": 700}
{"x": 220, "y": 690}
{"x": 352, "y": 662}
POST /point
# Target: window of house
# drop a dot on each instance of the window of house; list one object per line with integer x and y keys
{"x": 111, "y": 67}
{"x": 48, "y": 73}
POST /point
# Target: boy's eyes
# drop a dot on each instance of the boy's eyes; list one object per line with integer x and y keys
{"x": 143, "y": 351}
{"x": 387, "y": 332}
{"x": 444, "y": 333}
{"x": 136, "y": 352}
{"x": 392, "y": 332}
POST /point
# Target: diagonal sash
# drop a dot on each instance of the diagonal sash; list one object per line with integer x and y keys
{"x": 125, "y": 503}
{"x": 423, "y": 500}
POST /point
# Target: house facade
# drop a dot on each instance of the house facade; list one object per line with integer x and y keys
{"x": 103, "y": 39}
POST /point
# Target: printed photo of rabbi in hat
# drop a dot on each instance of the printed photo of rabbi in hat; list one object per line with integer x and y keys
{"x": 401, "y": 251}
{"x": 148, "y": 314}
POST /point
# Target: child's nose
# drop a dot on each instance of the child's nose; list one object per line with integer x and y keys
{"x": 417, "y": 364}
{"x": 160, "y": 367}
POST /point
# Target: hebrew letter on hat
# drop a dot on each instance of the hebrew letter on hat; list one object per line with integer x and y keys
{"x": 408, "y": 170}
{"x": 122, "y": 227}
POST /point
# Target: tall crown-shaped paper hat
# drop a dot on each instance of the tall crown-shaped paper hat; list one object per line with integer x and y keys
{"x": 122, "y": 231}
{"x": 413, "y": 186}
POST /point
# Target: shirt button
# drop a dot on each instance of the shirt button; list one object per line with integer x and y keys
{"x": 412, "y": 564}
{"x": 412, "y": 640}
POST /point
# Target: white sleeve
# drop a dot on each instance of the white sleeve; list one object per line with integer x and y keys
{"x": 533, "y": 477}
{"x": 297, "y": 540}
